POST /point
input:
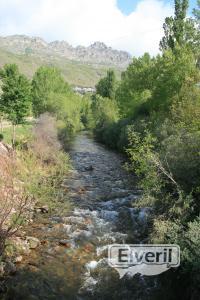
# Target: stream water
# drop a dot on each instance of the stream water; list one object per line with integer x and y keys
{"x": 71, "y": 261}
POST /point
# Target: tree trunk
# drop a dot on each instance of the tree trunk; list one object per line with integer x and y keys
{"x": 1, "y": 124}
{"x": 13, "y": 136}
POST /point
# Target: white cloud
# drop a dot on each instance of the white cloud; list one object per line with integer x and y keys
{"x": 81, "y": 22}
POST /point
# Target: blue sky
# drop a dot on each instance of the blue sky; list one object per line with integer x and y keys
{"x": 127, "y": 6}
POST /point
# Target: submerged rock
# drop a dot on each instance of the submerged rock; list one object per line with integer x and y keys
{"x": 89, "y": 168}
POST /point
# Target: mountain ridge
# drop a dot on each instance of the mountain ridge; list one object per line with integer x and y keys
{"x": 96, "y": 53}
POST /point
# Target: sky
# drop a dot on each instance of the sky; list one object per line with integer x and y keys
{"x": 127, "y": 6}
{"x": 131, "y": 25}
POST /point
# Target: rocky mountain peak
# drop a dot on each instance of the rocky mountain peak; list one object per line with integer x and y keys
{"x": 97, "y": 53}
{"x": 98, "y": 45}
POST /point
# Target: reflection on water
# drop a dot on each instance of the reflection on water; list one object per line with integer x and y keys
{"x": 71, "y": 261}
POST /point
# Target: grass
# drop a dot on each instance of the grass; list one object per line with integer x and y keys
{"x": 23, "y": 132}
{"x": 75, "y": 73}
{"x": 42, "y": 179}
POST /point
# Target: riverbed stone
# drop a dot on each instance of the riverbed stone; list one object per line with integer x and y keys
{"x": 43, "y": 209}
{"x": 17, "y": 246}
{"x": 18, "y": 259}
{"x": 65, "y": 243}
{"x": 2, "y": 268}
{"x": 33, "y": 242}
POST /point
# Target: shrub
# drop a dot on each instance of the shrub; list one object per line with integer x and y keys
{"x": 45, "y": 165}
{"x": 45, "y": 144}
{"x": 182, "y": 154}
{"x": 14, "y": 201}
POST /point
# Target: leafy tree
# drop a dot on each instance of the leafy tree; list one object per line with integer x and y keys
{"x": 105, "y": 110}
{"x": 174, "y": 27}
{"x": 180, "y": 30}
{"x": 136, "y": 84}
{"x": 196, "y": 12}
{"x": 86, "y": 112}
{"x": 52, "y": 94}
{"x": 175, "y": 69}
{"x": 15, "y": 100}
{"x": 46, "y": 82}
{"x": 106, "y": 86}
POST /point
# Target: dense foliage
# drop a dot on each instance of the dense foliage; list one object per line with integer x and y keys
{"x": 52, "y": 94}
{"x": 156, "y": 122}
{"x": 106, "y": 86}
{"x": 48, "y": 92}
{"x": 15, "y": 101}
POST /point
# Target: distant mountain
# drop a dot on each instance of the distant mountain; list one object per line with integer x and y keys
{"x": 97, "y": 53}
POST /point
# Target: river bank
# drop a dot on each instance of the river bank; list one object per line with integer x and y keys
{"x": 70, "y": 261}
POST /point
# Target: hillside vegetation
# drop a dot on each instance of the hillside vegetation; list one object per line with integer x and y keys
{"x": 83, "y": 70}
{"x": 76, "y": 73}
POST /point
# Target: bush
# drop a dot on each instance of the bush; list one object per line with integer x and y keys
{"x": 14, "y": 200}
{"x": 45, "y": 163}
{"x": 45, "y": 144}
{"x": 181, "y": 152}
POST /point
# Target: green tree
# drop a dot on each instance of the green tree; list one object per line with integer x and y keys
{"x": 105, "y": 111}
{"x": 196, "y": 12}
{"x": 15, "y": 100}
{"x": 136, "y": 85}
{"x": 106, "y": 86}
{"x": 175, "y": 27}
{"x": 175, "y": 69}
{"x": 86, "y": 112}
{"x": 47, "y": 82}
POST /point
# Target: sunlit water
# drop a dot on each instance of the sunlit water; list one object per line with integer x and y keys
{"x": 102, "y": 193}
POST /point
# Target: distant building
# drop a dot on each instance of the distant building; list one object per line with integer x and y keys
{"x": 84, "y": 90}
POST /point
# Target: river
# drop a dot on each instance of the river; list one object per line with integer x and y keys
{"x": 71, "y": 261}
